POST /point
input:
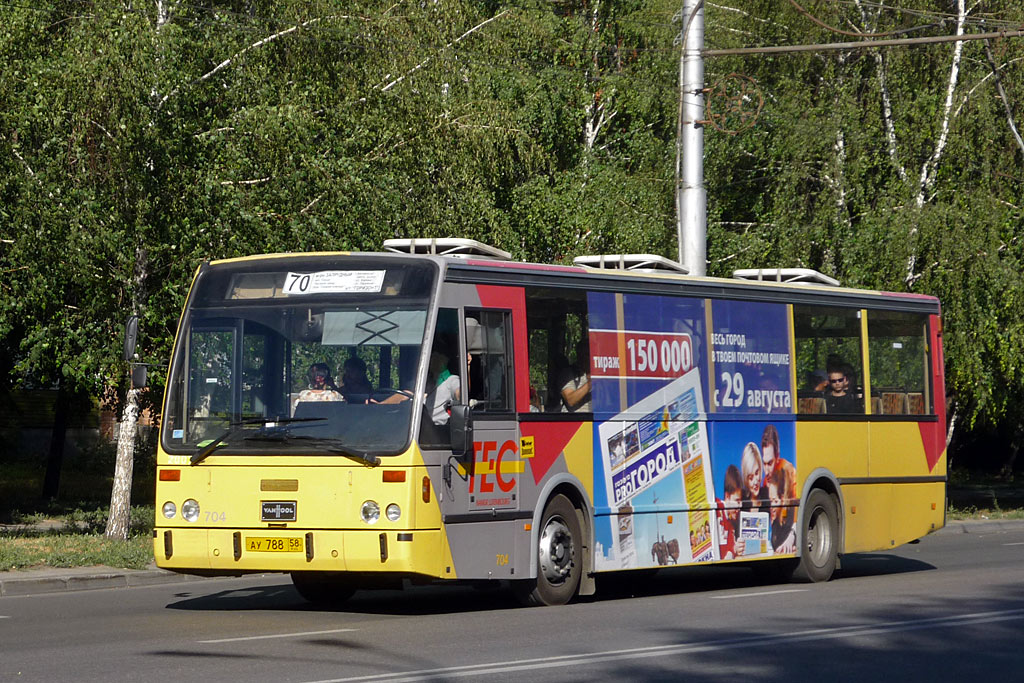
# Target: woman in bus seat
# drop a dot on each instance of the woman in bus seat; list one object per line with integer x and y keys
{"x": 321, "y": 386}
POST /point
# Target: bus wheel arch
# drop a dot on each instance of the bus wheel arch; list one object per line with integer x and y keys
{"x": 579, "y": 500}
{"x": 820, "y": 538}
{"x": 560, "y": 551}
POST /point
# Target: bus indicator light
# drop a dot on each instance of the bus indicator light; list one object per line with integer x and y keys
{"x": 170, "y": 475}
{"x": 393, "y": 476}
{"x": 426, "y": 489}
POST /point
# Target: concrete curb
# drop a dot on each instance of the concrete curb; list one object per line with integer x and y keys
{"x": 38, "y": 581}
{"x": 978, "y": 526}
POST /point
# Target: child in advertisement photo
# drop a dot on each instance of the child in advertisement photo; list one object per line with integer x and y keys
{"x": 782, "y": 532}
{"x": 729, "y": 515}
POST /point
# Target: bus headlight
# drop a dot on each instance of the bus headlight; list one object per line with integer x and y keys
{"x": 393, "y": 512}
{"x": 170, "y": 509}
{"x": 190, "y": 510}
{"x": 370, "y": 512}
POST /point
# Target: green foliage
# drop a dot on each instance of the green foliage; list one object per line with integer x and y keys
{"x": 133, "y": 147}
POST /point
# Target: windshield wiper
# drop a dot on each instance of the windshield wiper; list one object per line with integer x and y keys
{"x": 365, "y": 458}
{"x": 331, "y": 445}
{"x": 203, "y": 452}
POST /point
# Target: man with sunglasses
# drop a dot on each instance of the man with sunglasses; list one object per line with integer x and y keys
{"x": 838, "y": 398}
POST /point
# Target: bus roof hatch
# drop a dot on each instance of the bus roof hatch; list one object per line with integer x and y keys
{"x": 644, "y": 263}
{"x": 789, "y": 275}
{"x": 447, "y": 246}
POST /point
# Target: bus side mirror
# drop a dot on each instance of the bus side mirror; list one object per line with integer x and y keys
{"x": 139, "y": 371}
{"x": 461, "y": 422}
{"x": 131, "y": 335}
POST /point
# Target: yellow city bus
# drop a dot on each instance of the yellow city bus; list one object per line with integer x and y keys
{"x": 440, "y": 412}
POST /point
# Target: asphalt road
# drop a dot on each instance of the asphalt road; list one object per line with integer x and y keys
{"x": 949, "y": 608}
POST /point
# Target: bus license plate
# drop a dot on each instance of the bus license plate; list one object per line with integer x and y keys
{"x": 263, "y": 544}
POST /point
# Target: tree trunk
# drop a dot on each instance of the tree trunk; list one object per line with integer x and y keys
{"x": 58, "y": 437}
{"x": 121, "y": 494}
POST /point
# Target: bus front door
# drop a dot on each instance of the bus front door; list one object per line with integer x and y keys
{"x": 481, "y": 504}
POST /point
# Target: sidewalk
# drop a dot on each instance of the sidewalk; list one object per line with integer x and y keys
{"x": 50, "y": 580}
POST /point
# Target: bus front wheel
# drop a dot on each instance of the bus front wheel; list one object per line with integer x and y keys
{"x": 559, "y": 564}
{"x": 323, "y": 588}
{"x": 819, "y": 538}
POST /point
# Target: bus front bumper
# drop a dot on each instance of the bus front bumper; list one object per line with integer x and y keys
{"x": 229, "y": 551}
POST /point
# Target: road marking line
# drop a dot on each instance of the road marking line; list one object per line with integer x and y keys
{"x": 754, "y": 595}
{"x": 278, "y": 635}
{"x": 1022, "y": 543}
{"x": 687, "y": 648}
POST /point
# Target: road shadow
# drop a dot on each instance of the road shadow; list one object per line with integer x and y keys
{"x": 449, "y": 598}
{"x": 879, "y": 564}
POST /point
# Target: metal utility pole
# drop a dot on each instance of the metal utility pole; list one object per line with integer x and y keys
{"x": 691, "y": 197}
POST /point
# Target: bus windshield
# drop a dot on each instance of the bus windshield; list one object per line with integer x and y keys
{"x": 298, "y": 356}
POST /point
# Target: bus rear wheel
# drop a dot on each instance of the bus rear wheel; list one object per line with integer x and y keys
{"x": 819, "y": 538}
{"x": 323, "y": 588}
{"x": 559, "y": 564}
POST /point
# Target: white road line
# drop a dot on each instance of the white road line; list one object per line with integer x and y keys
{"x": 760, "y": 593}
{"x": 278, "y": 635}
{"x": 3, "y": 617}
{"x": 1022, "y": 543}
{"x": 687, "y": 648}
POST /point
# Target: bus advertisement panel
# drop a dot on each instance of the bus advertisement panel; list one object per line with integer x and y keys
{"x": 677, "y": 488}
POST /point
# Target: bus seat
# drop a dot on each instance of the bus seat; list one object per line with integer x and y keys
{"x": 876, "y": 405}
{"x": 894, "y": 403}
{"x": 915, "y": 403}
{"x": 813, "y": 405}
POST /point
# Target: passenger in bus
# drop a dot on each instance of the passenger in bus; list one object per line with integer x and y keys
{"x": 783, "y": 532}
{"x": 773, "y": 462}
{"x": 574, "y": 381}
{"x": 355, "y": 386}
{"x": 321, "y": 386}
{"x": 535, "y": 404}
{"x": 444, "y": 388}
{"x": 754, "y": 494}
{"x": 729, "y": 514}
{"x": 838, "y": 398}
{"x": 817, "y": 380}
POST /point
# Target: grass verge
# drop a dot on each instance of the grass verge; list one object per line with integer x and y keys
{"x": 75, "y": 550}
{"x": 75, "y": 539}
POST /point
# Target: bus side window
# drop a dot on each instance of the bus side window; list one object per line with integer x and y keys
{"x": 557, "y": 330}
{"x": 488, "y": 337}
{"x": 898, "y": 354}
{"x": 829, "y": 365}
